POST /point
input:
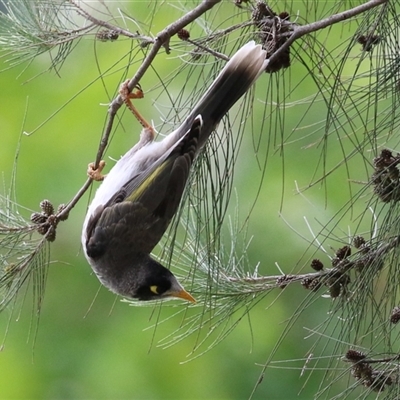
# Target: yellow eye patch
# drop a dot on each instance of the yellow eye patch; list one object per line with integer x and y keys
{"x": 154, "y": 289}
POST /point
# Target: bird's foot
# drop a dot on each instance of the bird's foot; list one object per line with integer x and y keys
{"x": 137, "y": 93}
{"x": 95, "y": 173}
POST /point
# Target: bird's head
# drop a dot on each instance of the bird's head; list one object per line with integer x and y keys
{"x": 155, "y": 282}
{"x": 139, "y": 277}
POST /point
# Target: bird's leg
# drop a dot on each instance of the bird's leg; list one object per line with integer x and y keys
{"x": 137, "y": 93}
{"x": 96, "y": 174}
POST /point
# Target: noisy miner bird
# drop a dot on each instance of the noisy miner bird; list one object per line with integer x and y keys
{"x": 135, "y": 203}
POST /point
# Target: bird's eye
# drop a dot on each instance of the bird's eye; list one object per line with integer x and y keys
{"x": 154, "y": 289}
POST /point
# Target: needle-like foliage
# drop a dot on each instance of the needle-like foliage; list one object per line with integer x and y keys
{"x": 24, "y": 254}
{"x": 339, "y": 84}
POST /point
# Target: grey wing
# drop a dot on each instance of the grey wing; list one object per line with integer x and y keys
{"x": 156, "y": 175}
{"x": 138, "y": 215}
{"x": 119, "y": 230}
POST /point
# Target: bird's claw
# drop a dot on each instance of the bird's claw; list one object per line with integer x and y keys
{"x": 125, "y": 93}
{"x": 95, "y": 173}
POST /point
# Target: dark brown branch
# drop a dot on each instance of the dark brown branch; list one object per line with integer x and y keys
{"x": 162, "y": 39}
{"x": 299, "y": 31}
{"x": 64, "y": 213}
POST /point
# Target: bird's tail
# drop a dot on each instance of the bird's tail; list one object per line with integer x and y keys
{"x": 235, "y": 79}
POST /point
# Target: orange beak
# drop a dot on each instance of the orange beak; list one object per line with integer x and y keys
{"x": 183, "y": 294}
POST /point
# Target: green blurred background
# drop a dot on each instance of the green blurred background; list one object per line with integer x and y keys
{"x": 88, "y": 344}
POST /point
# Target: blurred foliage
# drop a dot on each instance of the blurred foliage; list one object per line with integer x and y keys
{"x": 89, "y": 344}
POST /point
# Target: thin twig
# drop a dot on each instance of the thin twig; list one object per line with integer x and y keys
{"x": 208, "y": 50}
{"x": 344, "y": 266}
{"x": 162, "y": 39}
{"x": 65, "y": 211}
{"x": 107, "y": 25}
{"x": 299, "y": 31}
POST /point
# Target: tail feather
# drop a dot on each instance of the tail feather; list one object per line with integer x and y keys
{"x": 235, "y": 79}
{"x": 231, "y": 84}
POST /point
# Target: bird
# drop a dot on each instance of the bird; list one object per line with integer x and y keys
{"x": 134, "y": 205}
